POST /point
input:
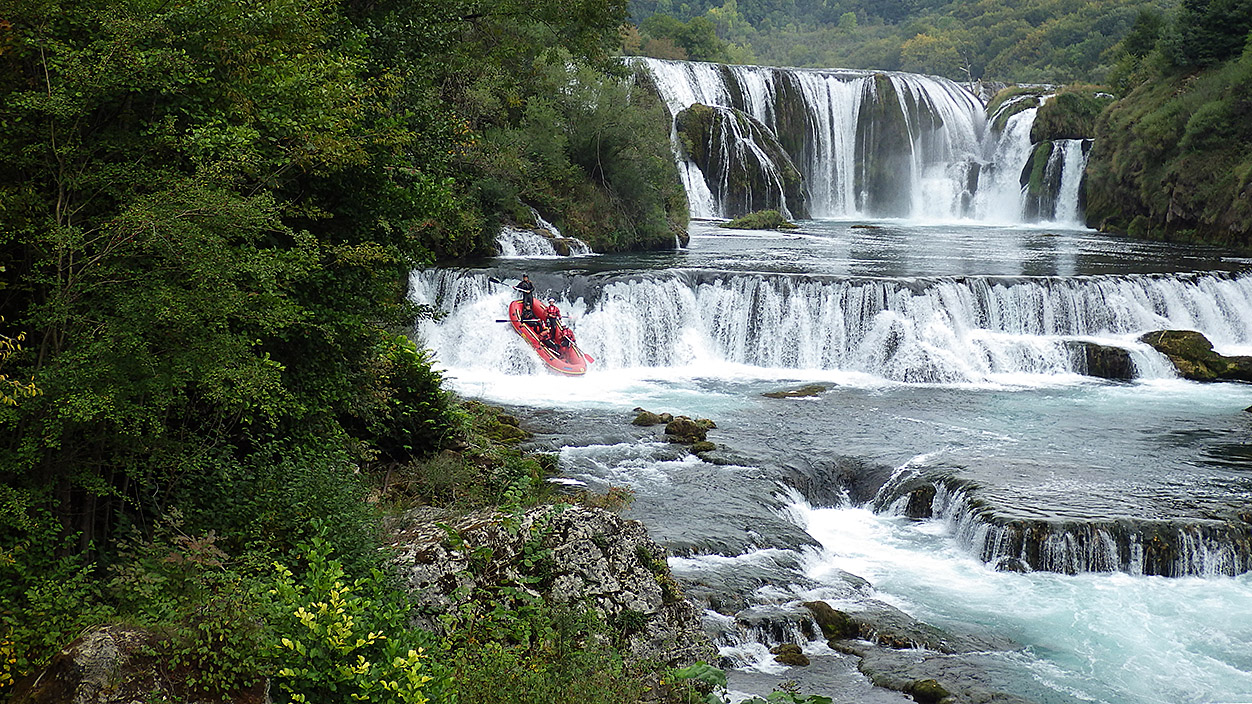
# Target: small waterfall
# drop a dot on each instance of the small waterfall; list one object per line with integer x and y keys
{"x": 519, "y": 243}
{"x": 514, "y": 242}
{"x": 1000, "y": 197}
{"x": 1170, "y": 548}
{"x": 1073, "y": 155}
{"x": 925, "y": 331}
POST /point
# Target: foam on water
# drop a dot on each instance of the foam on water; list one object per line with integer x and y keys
{"x": 1106, "y": 637}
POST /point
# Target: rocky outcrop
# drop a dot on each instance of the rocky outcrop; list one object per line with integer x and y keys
{"x": 1104, "y": 361}
{"x": 592, "y": 557}
{"x": 1193, "y": 355}
{"x": 113, "y": 665}
{"x": 1071, "y": 114}
{"x": 742, "y": 161}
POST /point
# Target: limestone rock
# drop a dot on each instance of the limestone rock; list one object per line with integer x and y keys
{"x": 110, "y": 665}
{"x": 594, "y": 557}
{"x": 835, "y": 624}
{"x": 1193, "y": 355}
{"x": 687, "y": 430}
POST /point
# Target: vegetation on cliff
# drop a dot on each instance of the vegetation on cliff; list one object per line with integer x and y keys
{"x": 1034, "y": 41}
{"x": 1173, "y": 158}
{"x": 208, "y": 212}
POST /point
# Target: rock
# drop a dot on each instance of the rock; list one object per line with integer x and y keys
{"x": 1102, "y": 361}
{"x": 730, "y": 146}
{"x": 793, "y": 659}
{"x": 112, "y": 665}
{"x": 646, "y": 418}
{"x": 1193, "y": 355}
{"x": 702, "y": 446}
{"x": 1248, "y": 409}
{"x": 802, "y": 392}
{"x": 760, "y": 220}
{"x": 685, "y": 430}
{"x": 921, "y": 502}
{"x": 786, "y": 649}
{"x": 927, "y": 691}
{"x": 835, "y": 624}
{"x": 594, "y": 557}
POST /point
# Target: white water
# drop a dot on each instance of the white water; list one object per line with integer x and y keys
{"x": 1073, "y": 162}
{"x": 1092, "y": 637}
{"x": 941, "y": 331}
{"x": 956, "y": 167}
{"x": 515, "y": 243}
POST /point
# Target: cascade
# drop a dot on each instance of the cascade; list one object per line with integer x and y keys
{"x": 1073, "y": 161}
{"x": 1170, "y": 548}
{"x": 517, "y": 242}
{"x": 925, "y": 330}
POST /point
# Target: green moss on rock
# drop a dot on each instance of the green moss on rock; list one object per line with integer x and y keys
{"x": 1193, "y": 355}
{"x": 760, "y": 220}
{"x": 1071, "y": 114}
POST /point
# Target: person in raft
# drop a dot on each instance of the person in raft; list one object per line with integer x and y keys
{"x": 528, "y": 298}
{"x": 560, "y": 336}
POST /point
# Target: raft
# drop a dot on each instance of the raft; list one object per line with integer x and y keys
{"x": 571, "y": 361}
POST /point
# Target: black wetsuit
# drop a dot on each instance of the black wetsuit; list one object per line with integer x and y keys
{"x": 528, "y": 299}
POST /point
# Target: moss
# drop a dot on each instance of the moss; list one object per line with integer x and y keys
{"x": 807, "y": 391}
{"x": 1037, "y": 167}
{"x": 1172, "y": 159}
{"x": 760, "y": 220}
{"x": 1001, "y": 117}
{"x": 1071, "y": 114}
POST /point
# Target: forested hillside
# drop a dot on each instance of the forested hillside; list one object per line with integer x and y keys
{"x": 208, "y": 212}
{"x": 1053, "y": 41}
{"x": 1173, "y": 158}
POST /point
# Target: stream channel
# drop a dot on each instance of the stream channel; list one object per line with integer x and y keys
{"x": 1089, "y": 537}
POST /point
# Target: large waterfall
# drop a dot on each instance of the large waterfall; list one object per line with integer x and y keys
{"x": 939, "y": 330}
{"x": 869, "y": 144}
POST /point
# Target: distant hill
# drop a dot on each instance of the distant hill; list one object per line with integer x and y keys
{"x": 1053, "y": 41}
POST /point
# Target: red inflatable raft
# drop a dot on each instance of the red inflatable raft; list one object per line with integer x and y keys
{"x": 570, "y": 361}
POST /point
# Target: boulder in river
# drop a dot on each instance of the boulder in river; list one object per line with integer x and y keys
{"x": 1104, "y": 361}
{"x": 806, "y": 391}
{"x": 1193, "y": 355}
{"x": 688, "y": 430}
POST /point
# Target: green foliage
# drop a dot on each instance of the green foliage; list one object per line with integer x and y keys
{"x": 344, "y": 639}
{"x": 47, "y": 595}
{"x": 759, "y": 220}
{"x": 510, "y": 644}
{"x": 1039, "y": 40}
{"x": 1173, "y": 159}
{"x": 702, "y": 683}
{"x": 1070, "y": 114}
{"x": 1208, "y": 32}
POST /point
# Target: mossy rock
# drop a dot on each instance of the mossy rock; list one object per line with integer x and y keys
{"x": 1030, "y": 97}
{"x": 647, "y": 418}
{"x": 760, "y": 220}
{"x": 927, "y": 691}
{"x": 806, "y": 391}
{"x": 1071, "y": 114}
{"x": 835, "y": 624}
{"x": 1192, "y": 354}
{"x": 790, "y": 655}
{"x": 702, "y": 446}
{"x": 685, "y": 430}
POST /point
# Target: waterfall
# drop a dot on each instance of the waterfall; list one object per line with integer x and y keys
{"x": 871, "y": 144}
{"x": 1073, "y": 154}
{"x": 514, "y": 242}
{"x": 816, "y": 114}
{"x": 1171, "y": 548}
{"x": 943, "y": 330}
{"x": 999, "y": 197}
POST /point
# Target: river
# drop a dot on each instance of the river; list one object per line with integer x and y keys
{"x": 1059, "y": 499}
